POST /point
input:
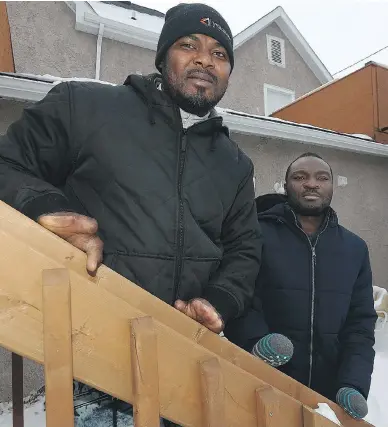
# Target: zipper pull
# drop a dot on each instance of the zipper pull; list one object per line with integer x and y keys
{"x": 314, "y": 254}
{"x": 184, "y": 142}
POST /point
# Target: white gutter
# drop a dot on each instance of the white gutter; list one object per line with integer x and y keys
{"x": 89, "y": 22}
{"x": 98, "y": 54}
{"x": 32, "y": 90}
{"x": 23, "y": 89}
{"x": 278, "y": 129}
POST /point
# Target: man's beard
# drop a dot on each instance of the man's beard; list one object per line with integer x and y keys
{"x": 198, "y": 103}
{"x": 305, "y": 209}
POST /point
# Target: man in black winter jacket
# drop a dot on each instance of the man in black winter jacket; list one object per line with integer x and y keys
{"x": 314, "y": 287}
{"x": 151, "y": 165}
{"x": 144, "y": 176}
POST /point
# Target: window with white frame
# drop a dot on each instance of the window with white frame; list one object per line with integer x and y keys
{"x": 276, "y": 52}
{"x": 276, "y": 97}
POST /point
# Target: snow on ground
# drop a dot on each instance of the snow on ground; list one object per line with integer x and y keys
{"x": 377, "y": 403}
{"x": 90, "y": 416}
{"x": 34, "y": 414}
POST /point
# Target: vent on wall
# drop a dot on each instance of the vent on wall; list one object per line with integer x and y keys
{"x": 275, "y": 48}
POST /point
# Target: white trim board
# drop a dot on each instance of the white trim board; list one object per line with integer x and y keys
{"x": 19, "y": 88}
{"x": 278, "y": 89}
{"x": 269, "y": 127}
{"x": 289, "y": 29}
{"x": 23, "y": 89}
{"x": 88, "y": 21}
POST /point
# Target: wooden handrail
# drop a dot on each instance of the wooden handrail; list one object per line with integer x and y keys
{"x": 101, "y": 309}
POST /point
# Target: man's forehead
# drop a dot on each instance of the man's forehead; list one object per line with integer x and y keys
{"x": 310, "y": 164}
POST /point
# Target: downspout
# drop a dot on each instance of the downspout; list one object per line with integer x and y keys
{"x": 98, "y": 54}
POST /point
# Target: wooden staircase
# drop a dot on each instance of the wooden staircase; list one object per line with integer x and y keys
{"x": 114, "y": 336}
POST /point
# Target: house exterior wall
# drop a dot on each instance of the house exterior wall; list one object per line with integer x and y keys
{"x": 39, "y": 29}
{"x": 361, "y": 205}
{"x": 252, "y": 70}
{"x": 45, "y": 41}
{"x": 357, "y": 103}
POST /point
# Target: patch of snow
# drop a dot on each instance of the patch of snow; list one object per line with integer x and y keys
{"x": 325, "y": 410}
{"x": 377, "y": 405}
{"x": 34, "y": 415}
{"x": 48, "y": 78}
{"x": 361, "y": 135}
{"x": 55, "y": 79}
{"x": 226, "y": 111}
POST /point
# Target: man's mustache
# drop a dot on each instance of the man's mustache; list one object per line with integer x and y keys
{"x": 197, "y": 72}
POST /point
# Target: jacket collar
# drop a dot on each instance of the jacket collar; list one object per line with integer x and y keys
{"x": 283, "y": 212}
{"x": 159, "y": 102}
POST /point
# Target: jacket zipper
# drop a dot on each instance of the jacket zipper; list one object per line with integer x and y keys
{"x": 180, "y": 228}
{"x": 312, "y": 314}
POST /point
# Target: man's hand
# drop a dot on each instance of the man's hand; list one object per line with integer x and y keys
{"x": 80, "y": 231}
{"x": 203, "y": 312}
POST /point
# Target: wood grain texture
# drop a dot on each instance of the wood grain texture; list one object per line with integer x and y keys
{"x": 213, "y": 393}
{"x": 22, "y": 239}
{"x": 6, "y": 55}
{"x": 145, "y": 372}
{"x": 268, "y": 408}
{"x": 57, "y": 347}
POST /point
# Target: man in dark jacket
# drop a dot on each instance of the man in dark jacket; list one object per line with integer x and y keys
{"x": 147, "y": 173}
{"x": 174, "y": 204}
{"x": 315, "y": 287}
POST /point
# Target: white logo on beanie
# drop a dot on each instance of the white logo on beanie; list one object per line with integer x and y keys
{"x": 210, "y": 23}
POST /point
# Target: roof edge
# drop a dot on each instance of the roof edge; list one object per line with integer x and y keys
{"x": 280, "y": 17}
{"x": 35, "y": 88}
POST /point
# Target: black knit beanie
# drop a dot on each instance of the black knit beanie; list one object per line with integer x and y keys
{"x": 193, "y": 18}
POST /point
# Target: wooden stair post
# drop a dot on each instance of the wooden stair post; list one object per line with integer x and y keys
{"x": 58, "y": 353}
{"x": 212, "y": 390}
{"x": 145, "y": 373}
{"x": 268, "y": 408}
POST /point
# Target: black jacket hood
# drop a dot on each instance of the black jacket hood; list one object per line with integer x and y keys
{"x": 268, "y": 201}
{"x": 275, "y": 206}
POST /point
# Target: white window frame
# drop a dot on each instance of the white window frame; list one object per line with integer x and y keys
{"x": 269, "y": 51}
{"x": 275, "y": 89}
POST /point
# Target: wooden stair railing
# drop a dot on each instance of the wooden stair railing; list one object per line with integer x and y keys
{"x": 111, "y": 346}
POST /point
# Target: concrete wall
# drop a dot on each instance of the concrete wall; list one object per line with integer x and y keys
{"x": 253, "y": 69}
{"x": 362, "y": 205}
{"x": 45, "y": 41}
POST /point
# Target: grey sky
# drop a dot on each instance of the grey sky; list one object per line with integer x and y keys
{"x": 340, "y": 31}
